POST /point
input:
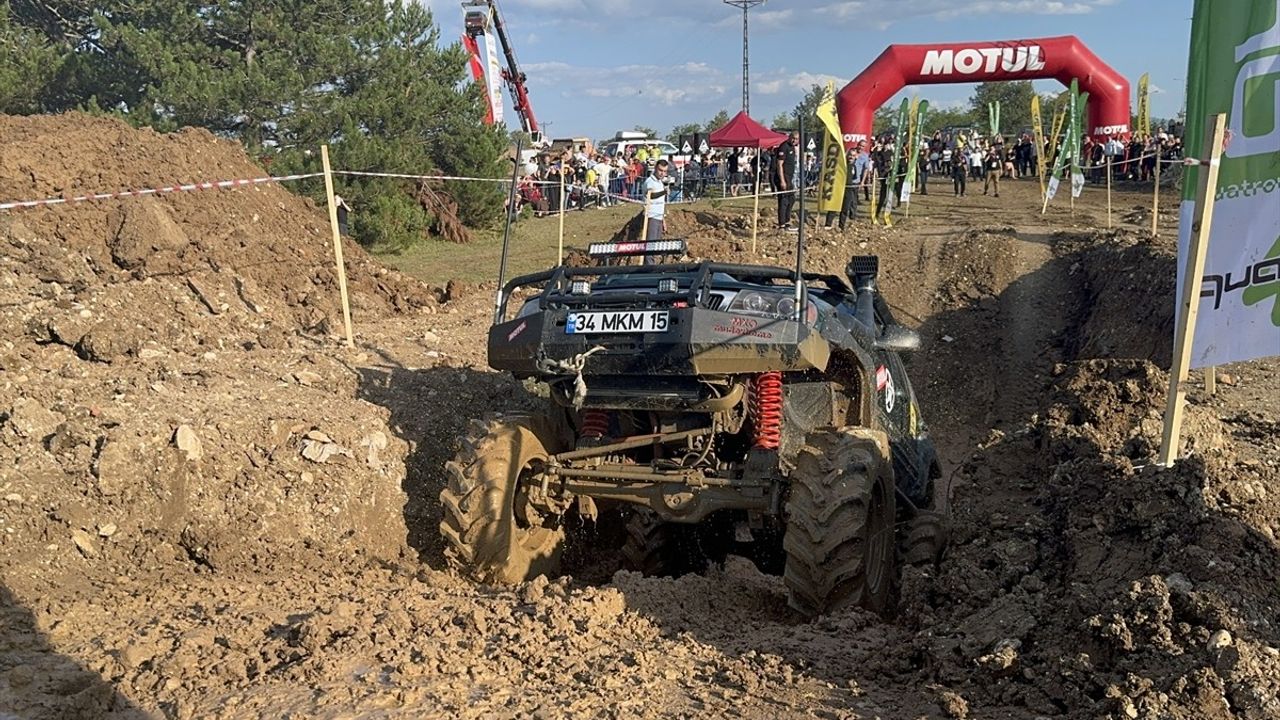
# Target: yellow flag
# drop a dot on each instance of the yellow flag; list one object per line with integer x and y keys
{"x": 834, "y": 168}
{"x": 1037, "y": 128}
{"x": 1144, "y": 105}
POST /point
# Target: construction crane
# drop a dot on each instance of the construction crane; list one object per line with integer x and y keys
{"x": 479, "y": 16}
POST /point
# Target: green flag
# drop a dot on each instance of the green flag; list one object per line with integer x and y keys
{"x": 1234, "y": 68}
{"x": 913, "y": 156}
{"x": 1077, "y": 132}
{"x": 900, "y": 135}
{"x": 1065, "y": 148}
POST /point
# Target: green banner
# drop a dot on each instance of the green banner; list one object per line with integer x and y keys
{"x": 891, "y": 172}
{"x": 1077, "y": 133}
{"x": 993, "y": 117}
{"x": 1066, "y": 147}
{"x": 917, "y": 128}
{"x": 1234, "y": 68}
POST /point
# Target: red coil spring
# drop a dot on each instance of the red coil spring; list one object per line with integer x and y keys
{"x": 766, "y": 410}
{"x": 595, "y": 424}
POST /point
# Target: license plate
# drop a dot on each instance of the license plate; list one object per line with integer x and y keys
{"x": 634, "y": 321}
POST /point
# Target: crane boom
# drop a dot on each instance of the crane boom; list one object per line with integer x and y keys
{"x": 477, "y": 22}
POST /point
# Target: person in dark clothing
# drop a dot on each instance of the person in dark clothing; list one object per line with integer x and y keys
{"x": 923, "y": 163}
{"x": 882, "y": 187}
{"x": 995, "y": 168}
{"x": 959, "y": 174}
{"x": 784, "y": 176}
{"x": 857, "y": 162}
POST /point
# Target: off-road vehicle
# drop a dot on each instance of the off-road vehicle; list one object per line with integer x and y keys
{"x": 739, "y": 408}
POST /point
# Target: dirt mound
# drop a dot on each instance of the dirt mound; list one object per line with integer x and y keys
{"x": 185, "y": 272}
{"x": 1081, "y": 583}
{"x": 171, "y": 388}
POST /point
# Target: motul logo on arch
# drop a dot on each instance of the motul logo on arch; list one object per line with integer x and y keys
{"x": 983, "y": 60}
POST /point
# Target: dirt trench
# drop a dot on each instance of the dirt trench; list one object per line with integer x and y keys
{"x": 1080, "y": 584}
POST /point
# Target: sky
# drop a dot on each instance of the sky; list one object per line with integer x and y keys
{"x": 598, "y": 66}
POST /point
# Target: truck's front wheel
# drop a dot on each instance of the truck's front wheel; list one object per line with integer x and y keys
{"x": 496, "y": 533}
{"x": 839, "y": 539}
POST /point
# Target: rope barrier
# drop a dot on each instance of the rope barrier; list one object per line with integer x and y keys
{"x": 212, "y": 185}
{"x": 251, "y": 182}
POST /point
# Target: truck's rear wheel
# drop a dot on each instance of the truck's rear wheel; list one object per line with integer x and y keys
{"x": 662, "y": 549}
{"x": 839, "y": 539}
{"x": 496, "y": 533}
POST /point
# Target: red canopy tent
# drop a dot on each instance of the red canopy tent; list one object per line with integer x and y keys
{"x": 742, "y": 131}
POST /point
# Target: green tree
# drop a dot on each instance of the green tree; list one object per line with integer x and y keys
{"x": 885, "y": 117}
{"x": 935, "y": 120}
{"x": 683, "y": 129}
{"x": 30, "y": 65}
{"x": 716, "y": 122}
{"x": 649, "y": 132}
{"x": 1015, "y": 104}
{"x": 365, "y": 76}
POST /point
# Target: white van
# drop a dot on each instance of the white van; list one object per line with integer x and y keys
{"x": 624, "y": 142}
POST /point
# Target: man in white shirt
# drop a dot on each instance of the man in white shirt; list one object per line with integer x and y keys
{"x": 655, "y": 193}
{"x": 603, "y": 170}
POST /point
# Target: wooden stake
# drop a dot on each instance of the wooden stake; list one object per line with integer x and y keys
{"x": 1155, "y": 200}
{"x": 755, "y": 213}
{"x": 1211, "y": 380}
{"x": 644, "y": 222}
{"x": 1109, "y": 192}
{"x": 875, "y": 195}
{"x": 337, "y": 243}
{"x": 1206, "y": 188}
{"x": 560, "y": 243}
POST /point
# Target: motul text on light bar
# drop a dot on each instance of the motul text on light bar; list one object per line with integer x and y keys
{"x": 637, "y": 248}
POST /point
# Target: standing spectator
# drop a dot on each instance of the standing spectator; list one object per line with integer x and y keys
{"x": 975, "y": 162}
{"x": 735, "y": 171}
{"x": 655, "y": 192}
{"x": 995, "y": 161}
{"x": 958, "y": 173}
{"x": 603, "y": 170}
{"x": 946, "y": 161}
{"x": 924, "y": 162}
{"x": 785, "y": 172}
{"x": 857, "y": 163}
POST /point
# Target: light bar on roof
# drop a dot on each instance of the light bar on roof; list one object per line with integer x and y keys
{"x": 653, "y": 247}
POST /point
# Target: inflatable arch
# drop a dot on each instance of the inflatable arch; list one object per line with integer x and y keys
{"x": 1064, "y": 58}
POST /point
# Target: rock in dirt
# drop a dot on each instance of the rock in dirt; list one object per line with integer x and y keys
{"x": 84, "y": 543}
{"x": 953, "y": 705}
{"x": 188, "y": 442}
{"x": 1219, "y": 639}
{"x": 31, "y": 419}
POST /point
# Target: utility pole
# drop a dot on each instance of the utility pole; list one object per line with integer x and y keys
{"x": 746, "y": 61}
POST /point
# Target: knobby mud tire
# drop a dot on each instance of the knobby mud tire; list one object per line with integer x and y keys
{"x": 839, "y": 540}
{"x": 660, "y": 549}
{"x": 493, "y": 535}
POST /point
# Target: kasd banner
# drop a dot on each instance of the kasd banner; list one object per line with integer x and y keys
{"x": 1235, "y": 69}
{"x": 834, "y": 168}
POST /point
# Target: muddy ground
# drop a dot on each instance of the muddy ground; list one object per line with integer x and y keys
{"x": 209, "y": 507}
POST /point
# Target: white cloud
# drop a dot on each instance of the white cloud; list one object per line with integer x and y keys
{"x": 783, "y": 81}
{"x": 665, "y": 85}
{"x": 1155, "y": 89}
{"x": 882, "y": 15}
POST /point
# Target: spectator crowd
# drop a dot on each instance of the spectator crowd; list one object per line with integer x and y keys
{"x": 590, "y": 178}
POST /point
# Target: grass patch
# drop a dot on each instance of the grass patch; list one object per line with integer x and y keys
{"x": 533, "y": 247}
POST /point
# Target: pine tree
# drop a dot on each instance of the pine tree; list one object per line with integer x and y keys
{"x": 365, "y": 76}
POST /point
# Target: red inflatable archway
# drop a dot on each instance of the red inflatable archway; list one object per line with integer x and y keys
{"x": 1064, "y": 58}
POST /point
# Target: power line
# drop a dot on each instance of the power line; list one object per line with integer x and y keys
{"x": 746, "y": 5}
